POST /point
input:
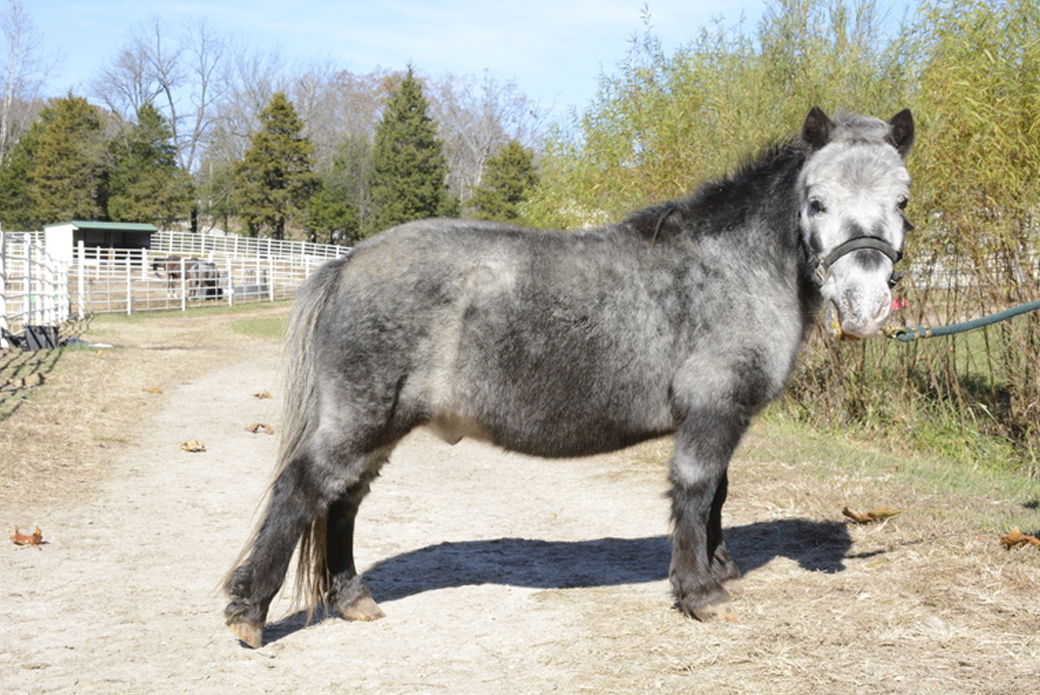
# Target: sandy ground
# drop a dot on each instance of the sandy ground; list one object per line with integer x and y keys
{"x": 498, "y": 574}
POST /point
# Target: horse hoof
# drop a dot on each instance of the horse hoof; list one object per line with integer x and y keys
{"x": 722, "y": 612}
{"x": 363, "y": 608}
{"x": 251, "y": 635}
{"x": 734, "y": 587}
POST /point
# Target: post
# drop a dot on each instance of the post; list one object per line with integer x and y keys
{"x": 129, "y": 286}
{"x": 270, "y": 277}
{"x": 62, "y": 298}
{"x": 3, "y": 291}
{"x": 29, "y": 303}
{"x": 184, "y": 285}
{"x": 230, "y": 285}
{"x": 48, "y": 282}
{"x": 80, "y": 280}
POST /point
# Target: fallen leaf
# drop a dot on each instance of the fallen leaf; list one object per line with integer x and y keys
{"x": 258, "y": 427}
{"x": 1016, "y": 538}
{"x": 155, "y": 389}
{"x": 193, "y": 445}
{"x": 263, "y": 394}
{"x": 24, "y": 539}
{"x": 871, "y": 517}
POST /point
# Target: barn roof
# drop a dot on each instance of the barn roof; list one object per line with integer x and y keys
{"x": 107, "y": 226}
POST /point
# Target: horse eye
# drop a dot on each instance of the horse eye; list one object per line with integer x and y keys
{"x": 902, "y": 202}
{"x": 817, "y": 207}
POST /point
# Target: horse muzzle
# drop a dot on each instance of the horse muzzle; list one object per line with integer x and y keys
{"x": 860, "y": 299}
{"x": 859, "y": 314}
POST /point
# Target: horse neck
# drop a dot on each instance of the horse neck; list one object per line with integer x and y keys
{"x": 768, "y": 188}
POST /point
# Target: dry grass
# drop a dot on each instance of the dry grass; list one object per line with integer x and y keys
{"x": 926, "y": 603}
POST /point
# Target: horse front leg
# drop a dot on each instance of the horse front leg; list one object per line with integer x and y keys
{"x": 700, "y": 561}
{"x": 722, "y": 566}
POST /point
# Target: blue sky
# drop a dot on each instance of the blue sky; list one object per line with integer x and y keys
{"x": 554, "y": 50}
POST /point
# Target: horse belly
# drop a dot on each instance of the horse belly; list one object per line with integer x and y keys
{"x": 548, "y": 411}
{"x": 453, "y": 427}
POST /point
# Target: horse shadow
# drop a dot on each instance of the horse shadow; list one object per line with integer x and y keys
{"x": 817, "y": 546}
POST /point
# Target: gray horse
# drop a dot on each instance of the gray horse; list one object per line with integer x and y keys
{"x": 684, "y": 319}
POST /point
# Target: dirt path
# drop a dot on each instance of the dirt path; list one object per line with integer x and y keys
{"x": 498, "y": 574}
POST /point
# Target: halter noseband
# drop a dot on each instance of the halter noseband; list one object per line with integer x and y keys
{"x": 822, "y": 266}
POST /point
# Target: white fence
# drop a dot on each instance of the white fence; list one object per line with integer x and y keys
{"x": 211, "y": 245}
{"x": 34, "y": 288}
{"x": 132, "y": 280}
{"x": 181, "y": 270}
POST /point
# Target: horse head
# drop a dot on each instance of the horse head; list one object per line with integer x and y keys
{"x": 854, "y": 188}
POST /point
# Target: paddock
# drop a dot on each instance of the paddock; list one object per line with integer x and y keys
{"x": 538, "y": 588}
{"x": 37, "y": 288}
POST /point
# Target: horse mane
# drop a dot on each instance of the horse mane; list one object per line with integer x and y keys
{"x": 857, "y": 128}
{"x": 725, "y": 203}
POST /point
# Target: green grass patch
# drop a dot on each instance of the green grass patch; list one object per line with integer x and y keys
{"x": 207, "y": 311}
{"x": 260, "y": 320}
{"x": 984, "y": 494}
{"x": 260, "y": 327}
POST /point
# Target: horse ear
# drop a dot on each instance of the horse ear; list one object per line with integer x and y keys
{"x": 817, "y": 128}
{"x": 902, "y": 131}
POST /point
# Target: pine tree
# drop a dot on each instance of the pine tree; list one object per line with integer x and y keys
{"x": 275, "y": 179}
{"x": 409, "y": 168}
{"x": 335, "y": 210}
{"x": 146, "y": 184}
{"x": 16, "y": 209}
{"x": 68, "y": 168}
{"x": 330, "y": 216}
{"x": 509, "y": 178}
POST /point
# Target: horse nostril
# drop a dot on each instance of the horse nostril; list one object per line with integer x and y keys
{"x": 883, "y": 306}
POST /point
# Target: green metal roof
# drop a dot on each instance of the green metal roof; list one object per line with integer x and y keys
{"x": 109, "y": 226}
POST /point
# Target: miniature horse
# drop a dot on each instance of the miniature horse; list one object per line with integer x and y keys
{"x": 684, "y": 319}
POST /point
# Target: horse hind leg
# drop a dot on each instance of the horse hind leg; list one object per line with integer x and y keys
{"x": 304, "y": 493}
{"x": 294, "y": 501}
{"x": 328, "y": 548}
{"x": 347, "y": 593}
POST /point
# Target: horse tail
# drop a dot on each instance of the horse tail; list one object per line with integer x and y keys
{"x": 299, "y": 417}
{"x": 299, "y": 363}
{"x": 313, "y": 578}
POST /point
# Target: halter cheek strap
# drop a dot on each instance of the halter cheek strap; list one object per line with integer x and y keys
{"x": 822, "y": 267}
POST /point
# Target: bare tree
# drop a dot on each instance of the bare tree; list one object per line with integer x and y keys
{"x": 147, "y": 67}
{"x": 339, "y": 106}
{"x": 315, "y": 95}
{"x": 248, "y": 80}
{"x": 476, "y": 117}
{"x": 253, "y": 77}
{"x": 25, "y": 72}
{"x": 183, "y": 75}
{"x": 206, "y": 53}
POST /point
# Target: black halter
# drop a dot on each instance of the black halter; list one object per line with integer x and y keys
{"x": 822, "y": 266}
